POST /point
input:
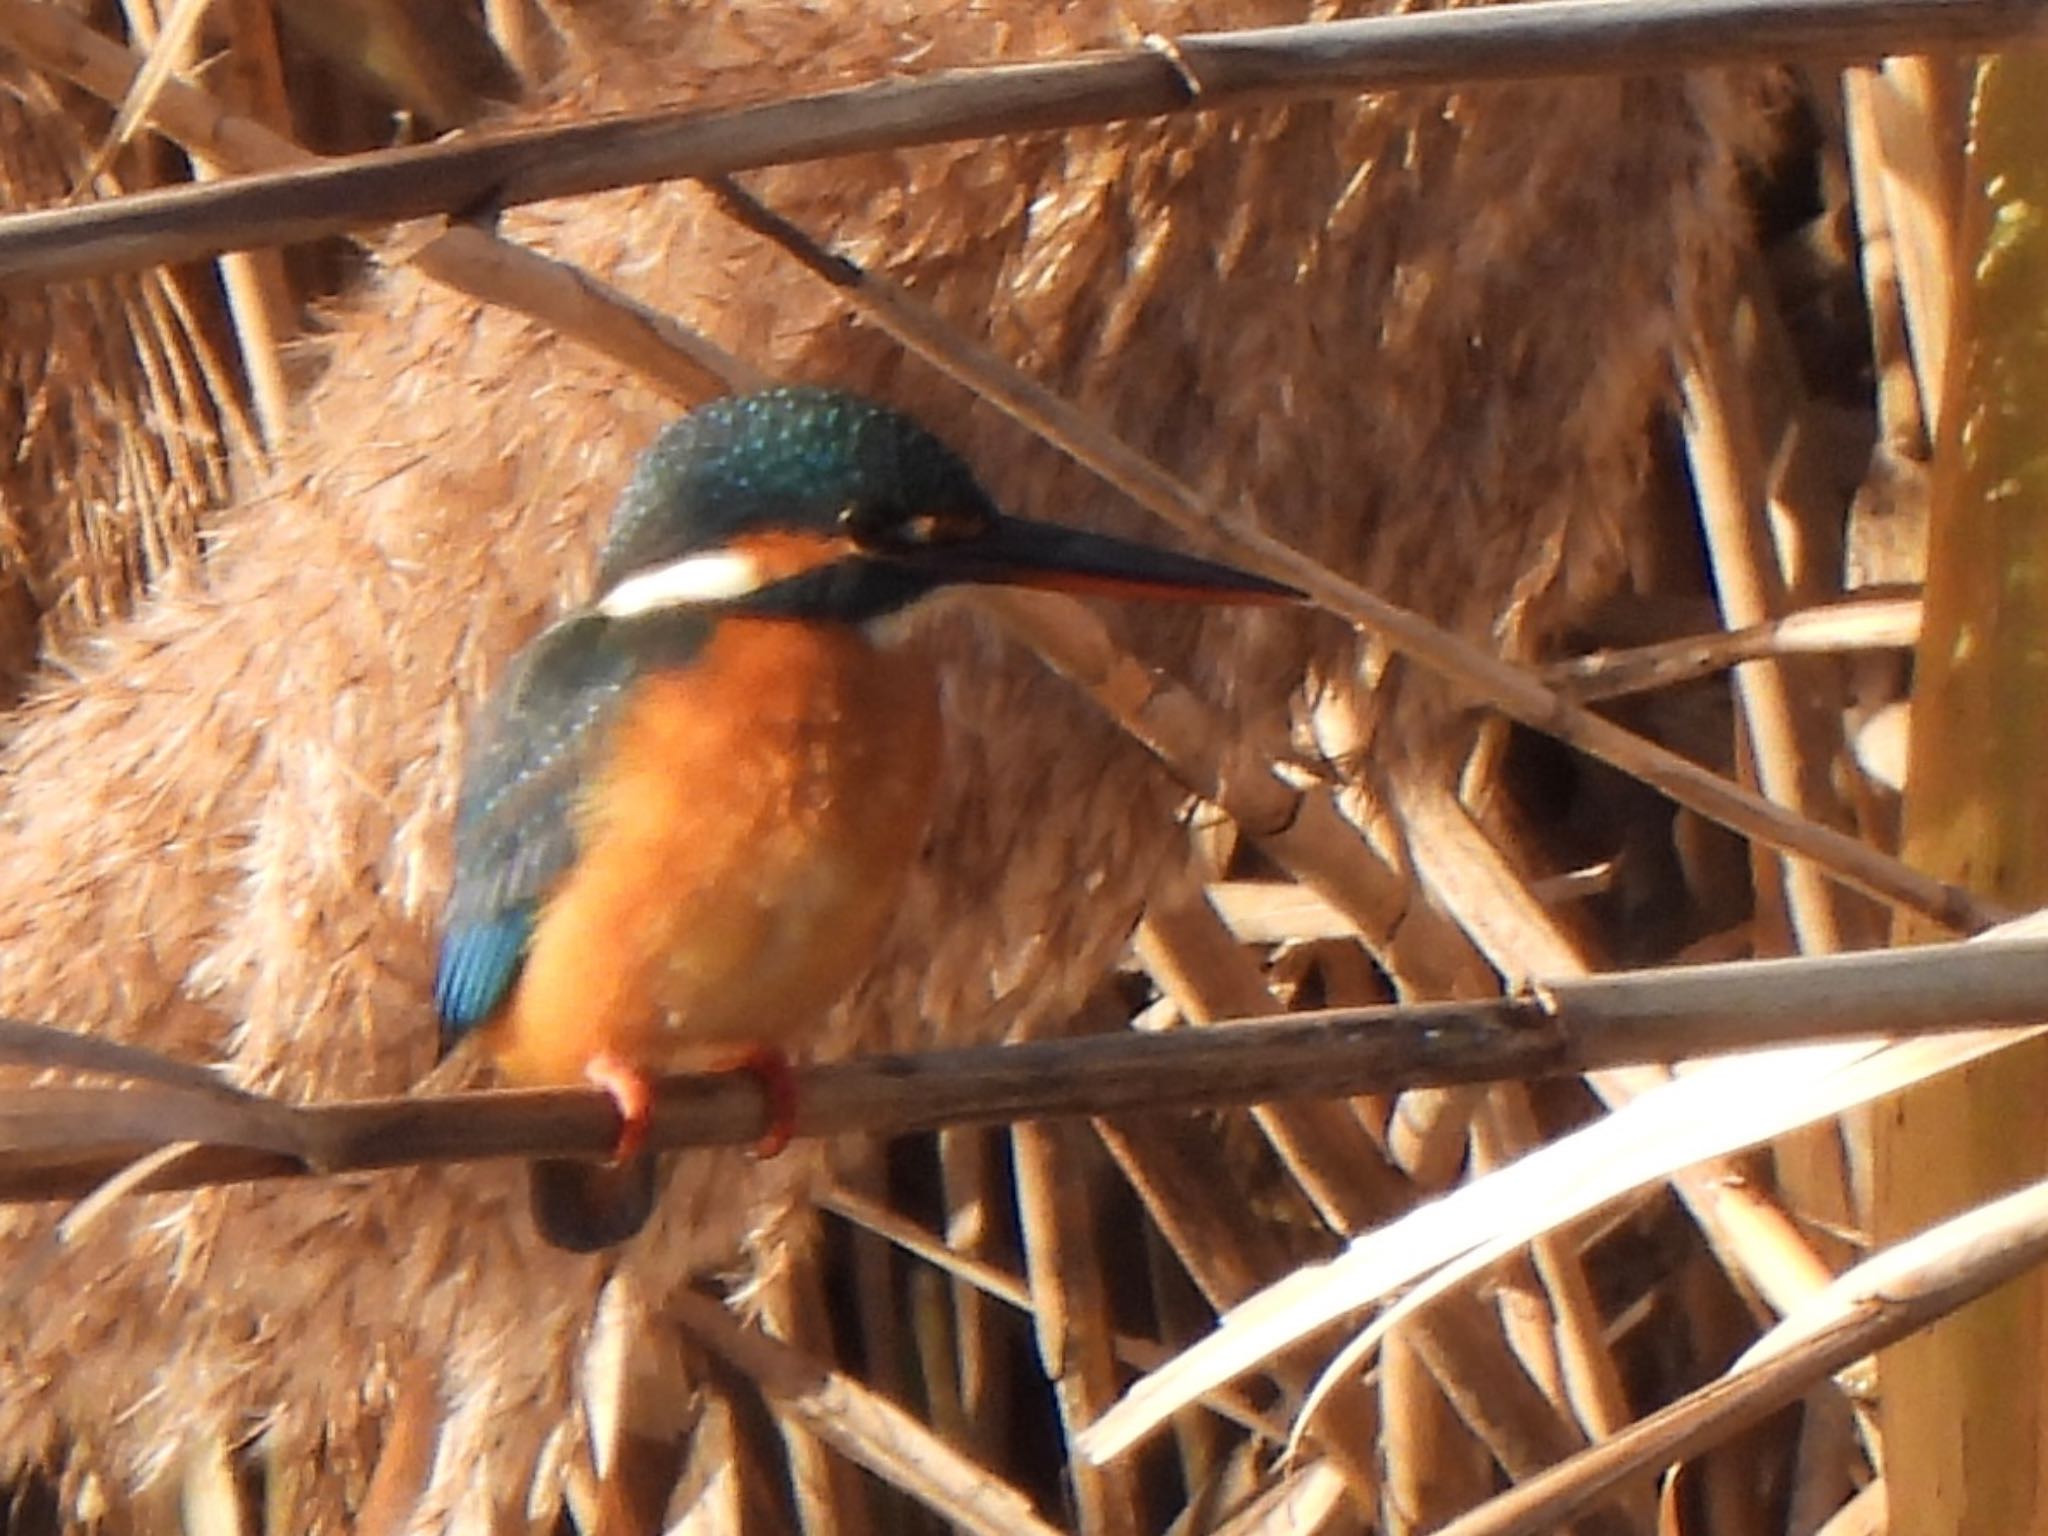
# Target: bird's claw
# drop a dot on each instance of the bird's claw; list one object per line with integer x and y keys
{"x": 770, "y": 1068}
{"x": 629, "y": 1090}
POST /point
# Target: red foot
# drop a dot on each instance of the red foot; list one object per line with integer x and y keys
{"x": 770, "y": 1068}
{"x": 631, "y": 1091}
{"x": 634, "y": 1096}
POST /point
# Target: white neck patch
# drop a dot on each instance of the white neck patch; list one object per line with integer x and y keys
{"x": 714, "y": 576}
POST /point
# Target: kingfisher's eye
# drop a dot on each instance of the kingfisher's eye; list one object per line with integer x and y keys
{"x": 892, "y": 528}
{"x": 868, "y": 525}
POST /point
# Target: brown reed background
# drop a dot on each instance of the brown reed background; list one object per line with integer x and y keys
{"x": 1564, "y": 367}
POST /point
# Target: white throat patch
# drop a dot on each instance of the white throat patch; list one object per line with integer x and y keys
{"x": 715, "y": 576}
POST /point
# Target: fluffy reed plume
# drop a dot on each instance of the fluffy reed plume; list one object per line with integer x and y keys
{"x": 1423, "y": 335}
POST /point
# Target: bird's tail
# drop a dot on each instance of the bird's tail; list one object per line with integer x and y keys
{"x": 584, "y": 1206}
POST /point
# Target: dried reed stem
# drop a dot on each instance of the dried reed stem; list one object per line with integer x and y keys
{"x": 256, "y": 284}
{"x": 985, "y": 1279}
{"x": 1058, "y": 1213}
{"x": 1902, "y": 420}
{"x": 58, "y": 1148}
{"x": 1230, "y": 1253}
{"x": 1587, "y": 1376}
{"x": 1792, "y": 761}
{"x": 1300, "y": 829}
{"x": 1198, "y": 72}
{"x": 1896, "y": 1293}
{"x": 791, "y": 1300}
{"x": 861, "y": 1425}
{"x": 1195, "y": 961}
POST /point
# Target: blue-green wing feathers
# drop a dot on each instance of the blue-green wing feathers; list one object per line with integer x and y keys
{"x": 515, "y": 831}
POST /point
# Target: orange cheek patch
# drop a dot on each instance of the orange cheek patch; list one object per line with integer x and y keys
{"x": 781, "y": 554}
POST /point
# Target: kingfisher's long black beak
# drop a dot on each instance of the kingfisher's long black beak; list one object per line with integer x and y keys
{"x": 1014, "y": 551}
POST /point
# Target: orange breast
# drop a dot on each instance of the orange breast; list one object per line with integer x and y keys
{"x": 742, "y": 849}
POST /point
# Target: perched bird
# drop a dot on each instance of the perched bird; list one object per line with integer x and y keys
{"x": 689, "y": 808}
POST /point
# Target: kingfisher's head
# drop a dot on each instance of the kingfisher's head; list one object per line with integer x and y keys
{"x": 811, "y": 503}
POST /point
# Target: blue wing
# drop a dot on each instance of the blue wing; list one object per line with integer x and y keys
{"x": 479, "y": 962}
{"x": 515, "y": 830}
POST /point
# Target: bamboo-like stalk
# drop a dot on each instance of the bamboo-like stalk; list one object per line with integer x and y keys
{"x": 258, "y": 288}
{"x": 1665, "y": 1133}
{"x": 869, "y": 1301}
{"x": 1902, "y": 418}
{"x": 1749, "y": 1231}
{"x": 1434, "y": 1467}
{"x": 1913, "y": 111}
{"x": 168, "y": 38}
{"x": 1190, "y": 955}
{"x": 1192, "y": 958}
{"x": 1590, "y": 1380}
{"x": 406, "y": 1456}
{"x": 1962, "y": 1429}
{"x": 254, "y": 282}
{"x": 1462, "y": 1343}
{"x": 210, "y": 1500}
{"x": 1867, "y": 1514}
{"x": 973, "y": 1229}
{"x": 1300, "y": 829}
{"x": 1230, "y": 1255}
{"x": 1306, "y": 1501}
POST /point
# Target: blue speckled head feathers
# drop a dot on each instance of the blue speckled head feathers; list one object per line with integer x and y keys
{"x": 894, "y": 512}
{"x": 790, "y": 458}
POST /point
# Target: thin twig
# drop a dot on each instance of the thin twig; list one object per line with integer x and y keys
{"x": 1576, "y": 1026}
{"x": 168, "y": 46}
{"x": 1859, "y": 624}
{"x": 1199, "y": 72}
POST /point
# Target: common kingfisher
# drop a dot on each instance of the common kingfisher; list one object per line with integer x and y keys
{"x": 688, "y": 809}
